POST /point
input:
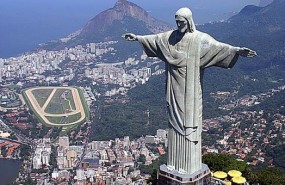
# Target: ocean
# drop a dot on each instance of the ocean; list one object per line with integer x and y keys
{"x": 26, "y": 24}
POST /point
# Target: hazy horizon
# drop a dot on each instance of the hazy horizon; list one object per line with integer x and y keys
{"x": 25, "y": 24}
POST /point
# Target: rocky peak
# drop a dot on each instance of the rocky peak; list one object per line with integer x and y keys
{"x": 119, "y": 12}
{"x": 122, "y": 3}
{"x": 126, "y": 8}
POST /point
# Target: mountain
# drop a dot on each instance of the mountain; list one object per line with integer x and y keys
{"x": 122, "y": 11}
{"x": 259, "y": 28}
{"x": 110, "y": 25}
{"x": 267, "y": 16}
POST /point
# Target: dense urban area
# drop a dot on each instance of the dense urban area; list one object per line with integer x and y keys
{"x": 51, "y": 155}
{"x": 56, "y": 158}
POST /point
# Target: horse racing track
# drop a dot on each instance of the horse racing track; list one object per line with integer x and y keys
{"x": 57, "y": 106}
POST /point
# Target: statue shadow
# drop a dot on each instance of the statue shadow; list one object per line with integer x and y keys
{"x": 175, "y": 37}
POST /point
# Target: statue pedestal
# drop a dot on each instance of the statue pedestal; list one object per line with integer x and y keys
{"x": 172, "y": 177}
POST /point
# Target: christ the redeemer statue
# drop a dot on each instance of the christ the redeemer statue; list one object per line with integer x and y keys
{"x": 186, "y": 53}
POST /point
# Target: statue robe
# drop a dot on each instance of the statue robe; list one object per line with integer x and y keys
{"x": 185, "y": 59}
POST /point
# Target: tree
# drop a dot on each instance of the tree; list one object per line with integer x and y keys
{"x": 269, "y": 176}
{"x": 29, "y": 181}
{"x": 141, "y": 158}
{"x": 153, "y": 178}
{"x": 224, "y": 162}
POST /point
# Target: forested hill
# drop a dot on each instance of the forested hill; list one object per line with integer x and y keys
{"x": 131, "y": 118}
{"x": 258, "y": 28}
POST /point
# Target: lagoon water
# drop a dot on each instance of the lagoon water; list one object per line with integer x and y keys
{"x": 9, "y": 170}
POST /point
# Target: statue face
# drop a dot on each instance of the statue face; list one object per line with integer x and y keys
{"x": 182, "y": 24}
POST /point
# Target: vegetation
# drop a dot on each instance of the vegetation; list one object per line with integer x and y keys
{"x": 153, "y": 168}
{"x": 84, "y": 103}
{"x": 61, "y": 102}
{"x": 265, "y": 176}
{"x": 25, "y": 151}
{"x": 277, "y": 153}
{"x": 269, "y": 176}
{"x": 223, "y": 162}
{"x": 30, "y": 106}
{"x": 64, "y": 119}
{"x": 273, "y": 104}
{"x": 29, "y": 181}
{"x": 67, "y": 129}
{"x": 142, "y": 115}
{"x": 41, "y": 95}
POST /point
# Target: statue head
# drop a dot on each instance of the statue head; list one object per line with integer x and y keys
{"x": 184, "y": 20}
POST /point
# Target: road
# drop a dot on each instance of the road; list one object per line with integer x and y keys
{"x": 21, "y": 139}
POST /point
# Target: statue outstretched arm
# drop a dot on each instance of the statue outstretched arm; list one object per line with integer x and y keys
{"x": 130, "y": 37}
{"x": 245, "y": 52}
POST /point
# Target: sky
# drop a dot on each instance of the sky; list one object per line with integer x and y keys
{"x": 26, "y": 23}
{"x": 203, "y": 10}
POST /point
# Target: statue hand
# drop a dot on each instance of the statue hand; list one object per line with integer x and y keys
{"x": 130, "y": 37}
{"x": 245, "y": 52}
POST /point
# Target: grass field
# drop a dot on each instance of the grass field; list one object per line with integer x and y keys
{"x": 70, "y": 101}
{"x": 64, "y": 119}
{"x": 41, "y": 95}
{"x": 62, "y": 102}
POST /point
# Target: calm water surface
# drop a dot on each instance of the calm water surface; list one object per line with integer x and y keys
{"x": 8, "y": 170}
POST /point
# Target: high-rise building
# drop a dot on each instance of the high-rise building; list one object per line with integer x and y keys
{"x": 71, "y": 156}
{"x": 126, "y": 141}
{"x": 80, "y": 174}
{"x": 103, "y": 155}
{"x": 145, "y": 151}
{"x": 37, "y": 163}
{"x": 90, "y": 173}
{"x": 54, "y": 174}
{"x": 45, "y": 157}
{"x": 1, "y": 63}
{"x": 92, "y": 47}
{"x": 161, "y": 133}
{"x": 1, "y": 74}
{"x": 149, "y": 139}
{"x": 97, "y": 145}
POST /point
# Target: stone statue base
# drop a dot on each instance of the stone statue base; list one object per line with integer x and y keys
{"x": 173, "y": 177}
